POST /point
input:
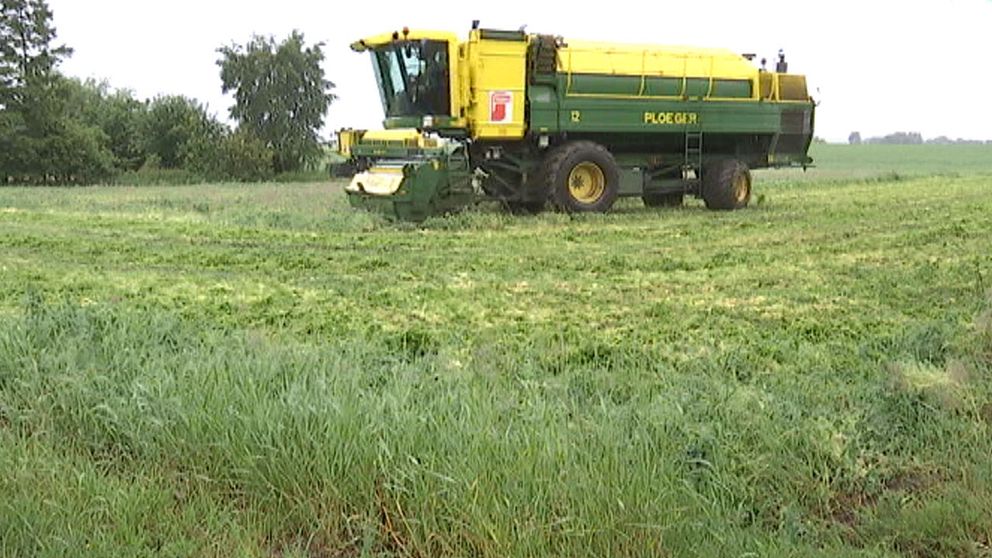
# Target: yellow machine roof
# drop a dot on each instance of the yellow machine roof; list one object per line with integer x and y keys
{"x": 588, "y": 57}
{"x": 403, "y": 35}
{"x": 583, "y": 57}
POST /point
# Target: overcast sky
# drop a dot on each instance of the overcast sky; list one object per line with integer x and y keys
{"x": 876, "y": 66}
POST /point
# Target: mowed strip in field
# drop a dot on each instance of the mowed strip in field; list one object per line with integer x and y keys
{"x": 259, "y": 370}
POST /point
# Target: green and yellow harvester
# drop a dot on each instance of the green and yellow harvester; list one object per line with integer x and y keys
{"x": 532, "y": 119}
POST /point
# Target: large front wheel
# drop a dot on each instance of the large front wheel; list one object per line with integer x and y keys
{"x": 582, "y": 177}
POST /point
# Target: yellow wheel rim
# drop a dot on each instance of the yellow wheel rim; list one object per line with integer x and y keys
{"x": 586, "y": 182}
{"x": 741, "y": 186}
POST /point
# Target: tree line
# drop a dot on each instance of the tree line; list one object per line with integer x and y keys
{"x": 56, "y": 129}
{"x": 910, "y": 138}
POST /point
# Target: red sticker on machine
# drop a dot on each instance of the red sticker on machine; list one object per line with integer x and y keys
{"x": 500, "y": 106}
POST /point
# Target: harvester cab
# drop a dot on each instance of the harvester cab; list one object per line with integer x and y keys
{"x": 417, "y": 77}
{"x": 411, "y": 169}
{"x": 531, "y": 120}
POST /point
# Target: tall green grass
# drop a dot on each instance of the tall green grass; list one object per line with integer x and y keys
{"x": 144, "y": 432}
{"x": 258, "y": 370}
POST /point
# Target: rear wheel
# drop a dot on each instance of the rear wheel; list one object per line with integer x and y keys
{"x": 726, "y": 185}
{"x": 582, "y": 177}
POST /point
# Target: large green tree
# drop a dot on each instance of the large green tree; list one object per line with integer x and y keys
{"x": 40, "y": 140}
{"x": 27, "y": 49}
{"x": 281, "y": 95}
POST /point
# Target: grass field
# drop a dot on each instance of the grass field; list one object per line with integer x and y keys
{"x": 258, "y": 370}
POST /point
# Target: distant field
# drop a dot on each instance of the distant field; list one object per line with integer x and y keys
{"x": 864, "y": 161}
{"x": 258, "y": 370}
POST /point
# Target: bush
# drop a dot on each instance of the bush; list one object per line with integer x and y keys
{"x": 120, "y": 116}
{"x": 237, "y": 156}
{"x": 245, "y": 158}
{"x": 175, "y": 126}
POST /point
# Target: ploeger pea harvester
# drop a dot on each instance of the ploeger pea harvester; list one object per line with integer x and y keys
{"x": 534, "y": 119}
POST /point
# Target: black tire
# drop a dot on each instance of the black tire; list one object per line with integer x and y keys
{"x": 663, "y": 200}
{"x": 726, "y": 185}
{"x": 594, "y": 176}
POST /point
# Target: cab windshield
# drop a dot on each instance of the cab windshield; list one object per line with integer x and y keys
{"x": 413, "y": 77}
